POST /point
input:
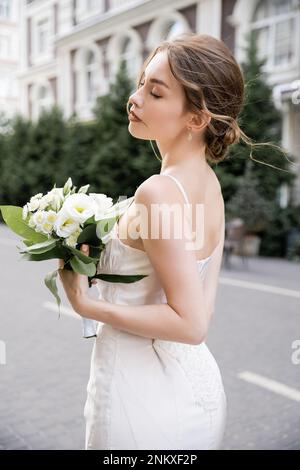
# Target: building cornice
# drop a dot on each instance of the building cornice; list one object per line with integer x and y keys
{"x": 137, "y": 14}
{"x": 37, "y": 69}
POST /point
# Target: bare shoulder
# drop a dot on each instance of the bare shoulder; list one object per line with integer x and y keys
{"x": 157, "y": 188}
{"x": 214, "y": 182}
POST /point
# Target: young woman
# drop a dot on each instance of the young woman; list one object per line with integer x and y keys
{"x": 153, "y": 383}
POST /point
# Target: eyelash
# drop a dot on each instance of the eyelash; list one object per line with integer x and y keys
{"x": 154, "y": 96}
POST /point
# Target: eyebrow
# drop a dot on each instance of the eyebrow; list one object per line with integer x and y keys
{"x": 158, "y": 81}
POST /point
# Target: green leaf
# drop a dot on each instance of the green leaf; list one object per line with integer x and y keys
{"x": 85, "y": 259}
{"x": 39, "y": 248}
{"x": 89, "y": 236}
{"x": 82, "y": 268}
{"x": 91, "y": 220}
{"x": 28, "y": 242}
{"x": 12, "y": 216}
{"x": 127, "y": 279}
{"x": 54, "y": 253}
{"x": 50, "y": 281}
{"x": 95, "y": 252}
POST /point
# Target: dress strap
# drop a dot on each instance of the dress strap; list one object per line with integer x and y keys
{"x": 180, "y": 187}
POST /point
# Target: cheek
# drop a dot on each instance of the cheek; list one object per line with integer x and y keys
{"x": 167, "y": 118}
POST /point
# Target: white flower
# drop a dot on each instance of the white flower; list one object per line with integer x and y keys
{"x": 38, "y": 221}
{"x": 47, "y": 224}
{"x": 51, "y": 216}
{"x": 38, "y": 218}
{"x": 45, "y": 201}
{"x": 65, "y": 225}
{"x": 25, "y": 212}
{"x": 72, "y": 239}
{"x": 33, "y": 205}
{"x": 37, "y": 196}
{"x": 117, "y": 209}
{"x": 67, "y": 187}
{"x": 102, "y": 205}
{"x": 84, "y": 189}
{"x": 52, "y": 200}
{"x": 34, "y": 202}
{"x": 31, "y": 222}
{"x": 57, "y": 198}
{"x": 79, "y": 207}
{"x": 46, "y": 228}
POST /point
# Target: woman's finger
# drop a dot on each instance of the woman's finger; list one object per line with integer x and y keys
{"x": 61, "y": 263}
{"x": 85, "y": 249}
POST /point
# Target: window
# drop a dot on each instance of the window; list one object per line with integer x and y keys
{"x": 173, "y": 29}
{"x": 44, "y": 99}
{"x": 7, "y": 84}
{"x": 43, "y": 36}
{"x": 5, "y": 9}
{"x": 128, "y": 54}
{"x": 91, "y": 77}
{"x": 84, "y": 9}
{"x": 284, "y": 34}
{"x": 5, "y": 47}
{"x": 275, "y": 24}
{"x": 91, "y": 4}
{"x": 262, "y": 36}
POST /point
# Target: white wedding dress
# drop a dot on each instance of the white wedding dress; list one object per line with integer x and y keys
{"x": 148, "y": 393}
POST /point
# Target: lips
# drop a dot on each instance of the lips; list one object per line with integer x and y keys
{"x": 134, "y": 116}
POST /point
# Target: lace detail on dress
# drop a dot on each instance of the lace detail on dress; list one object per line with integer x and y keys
{"x": 200, "y": 368}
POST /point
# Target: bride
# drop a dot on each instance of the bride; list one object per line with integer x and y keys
{"x": 154, "y": 384}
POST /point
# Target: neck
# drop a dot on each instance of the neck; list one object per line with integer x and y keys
{"x": 182, "y": 156}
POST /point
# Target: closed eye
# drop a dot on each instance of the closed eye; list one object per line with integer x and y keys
{"x": 153, "y": 94}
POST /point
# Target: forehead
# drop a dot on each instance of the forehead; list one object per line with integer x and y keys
{"x": 159, "y": 68}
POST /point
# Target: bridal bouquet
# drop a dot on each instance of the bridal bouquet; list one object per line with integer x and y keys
{"x": 55, "y": 225}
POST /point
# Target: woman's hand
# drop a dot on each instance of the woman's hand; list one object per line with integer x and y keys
{"x": 75, "y": 285}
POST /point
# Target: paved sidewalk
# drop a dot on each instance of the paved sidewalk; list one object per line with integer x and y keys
{"x": 43, "y": 383}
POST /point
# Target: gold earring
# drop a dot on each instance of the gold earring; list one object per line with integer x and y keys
{"x": 190, "y": 136}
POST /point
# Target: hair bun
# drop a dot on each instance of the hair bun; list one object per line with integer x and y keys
{"x": 217, "y": 144}
{"x": 232, "y": 135}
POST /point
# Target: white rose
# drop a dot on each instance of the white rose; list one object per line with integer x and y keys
{"x": 102, "y": 204}
{"x": 80, "y": 207}
{"x": 65, "y": 225}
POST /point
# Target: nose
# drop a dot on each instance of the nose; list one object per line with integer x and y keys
{"x": 135, "y": 100}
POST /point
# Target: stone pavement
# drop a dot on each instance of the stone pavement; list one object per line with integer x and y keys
{"x": 43, "y": 383}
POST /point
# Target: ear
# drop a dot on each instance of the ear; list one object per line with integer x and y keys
{"x": 198, "y": 121}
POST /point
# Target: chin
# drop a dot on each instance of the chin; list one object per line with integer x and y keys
{"x": 138, "y": 134}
